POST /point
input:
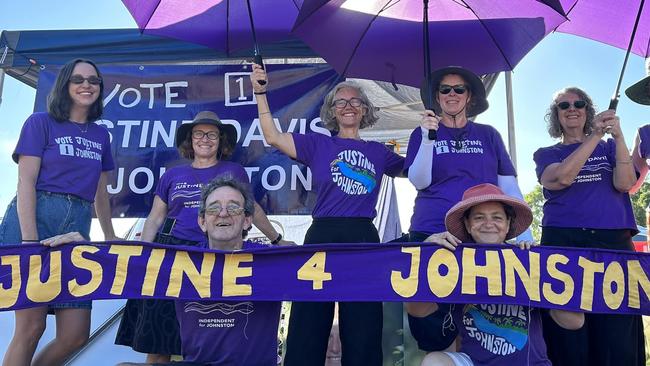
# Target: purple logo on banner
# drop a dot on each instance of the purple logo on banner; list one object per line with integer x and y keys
{"x": 144, "y": 105}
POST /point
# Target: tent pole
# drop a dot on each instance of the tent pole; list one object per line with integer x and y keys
{"x": 512, "y": 146}
{"x": 2, "y": 83}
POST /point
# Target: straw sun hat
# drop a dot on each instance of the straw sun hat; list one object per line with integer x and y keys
{"x": 640, "y": 92}
{"x": 482, "y": 193}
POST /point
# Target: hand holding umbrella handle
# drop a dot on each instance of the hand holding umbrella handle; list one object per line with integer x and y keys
{"x": 258, "y": 60}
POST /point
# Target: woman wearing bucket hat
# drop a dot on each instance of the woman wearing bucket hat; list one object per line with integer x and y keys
{"x": 586, "y": 182}
{"x": 150, "y": 326}
{"x": 347, "y": 173}
{"x": 465, "y": 153}
{"x": 484, "y": 215}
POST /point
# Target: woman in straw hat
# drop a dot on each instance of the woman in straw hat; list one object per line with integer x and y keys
{"x": 150, "y": 326}
{"x": 464, "y": 153}
{"x": 586, "y": 182}
{"x": 455, "y": 332}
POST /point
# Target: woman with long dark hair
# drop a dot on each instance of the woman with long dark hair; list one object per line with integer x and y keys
{"x": 63, "y": 160}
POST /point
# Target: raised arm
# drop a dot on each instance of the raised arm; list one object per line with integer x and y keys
{"x": 273, "y": 136}
{"x": 28, "y": 168}
{"x": 639, "y": 161}
{"x": 624, "y": 173}
{"x": 420, "y": 171}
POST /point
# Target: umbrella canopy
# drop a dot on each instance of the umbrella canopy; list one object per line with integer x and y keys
{"x": 606, "y": 21}
{"x": 219, "y": 24}
{"x": 383, "y": 39}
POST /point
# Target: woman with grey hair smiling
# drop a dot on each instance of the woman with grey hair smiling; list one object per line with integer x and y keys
{"x": 347, "y": 173}
{"x": 586, "y": 182}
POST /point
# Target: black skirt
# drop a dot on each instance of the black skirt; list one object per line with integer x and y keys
{"x": 150, "y": 326}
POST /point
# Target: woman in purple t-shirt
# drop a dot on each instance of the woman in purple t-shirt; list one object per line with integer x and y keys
{"x": 463, "y": 154}
{"x": 150, "y": 326}
{"x": 586, "y": 182}
{"x": 347, "y": 173}
{"x": 63, "y": 160}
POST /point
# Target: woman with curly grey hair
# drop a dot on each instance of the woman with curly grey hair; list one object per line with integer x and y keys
{"x": 347, "y": 173}
{"x": 586, "y": 182}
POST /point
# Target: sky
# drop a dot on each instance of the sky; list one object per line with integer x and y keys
{"x": 558, "y": 61}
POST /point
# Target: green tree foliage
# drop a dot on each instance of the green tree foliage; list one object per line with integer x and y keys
{"x": 640, "y": 201}
{"x": 535, "y": 200}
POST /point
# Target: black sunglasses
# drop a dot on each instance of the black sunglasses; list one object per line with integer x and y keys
{"x": 578, "y": 104}
{"x": 78, "y": 79}
{"x": 446, "y": 89}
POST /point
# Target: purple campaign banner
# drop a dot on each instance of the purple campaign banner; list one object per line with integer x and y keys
{"x": 145, "y": 104}
{"x": 565, "y": 278}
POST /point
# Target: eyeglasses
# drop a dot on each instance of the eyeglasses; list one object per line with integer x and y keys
{"x": 212, "y": 135}
{"x": 342, "y": 103}
{"x": 92, "y": 80}
{"x": 578, "y": 104}
{"x": 446, "y": 89}
{"x": 231, "y": 209}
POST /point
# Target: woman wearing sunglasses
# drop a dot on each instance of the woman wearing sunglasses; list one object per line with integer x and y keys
{"x": 63, "y": 161}
{"x": 463, "y": 154}
{"x": 586, "y": 182}
{"x": 150, "y": 326}
{"x": 347, "y": 174}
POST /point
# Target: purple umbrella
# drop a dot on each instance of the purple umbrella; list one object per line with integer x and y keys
{"x": 383, "y": 39}
{"x": 219, "y": 24}
{"x": 623, "y": 23}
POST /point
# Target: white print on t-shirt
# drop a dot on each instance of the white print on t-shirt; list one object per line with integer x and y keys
{"x": 499, "y": 329}
{"x": 593, "y": 172}
{"x": 187, "y": 191}
{"x": 353, "y": 173}
{"x": 67, "y": 147}
{"x": 245, "y": 308}
{"x": 459, "y": 147}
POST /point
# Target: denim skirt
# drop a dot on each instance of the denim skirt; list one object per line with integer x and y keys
{"x": 56, "y": 213}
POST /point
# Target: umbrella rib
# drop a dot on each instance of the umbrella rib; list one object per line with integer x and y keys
{"x": 150, "y": 16}
{"x": 389, "y": 4}
{"x": 491, "y": 36}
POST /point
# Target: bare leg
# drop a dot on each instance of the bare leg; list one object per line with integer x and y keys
{"x": 30, "y": 325}
{"x": 156, "y": 358}
{"x": 72, "y": 331}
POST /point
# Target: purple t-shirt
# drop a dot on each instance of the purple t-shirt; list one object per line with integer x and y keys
{"x": 72, "y": 156}
{"x": 592, "y": 194}
{"x": 495, "y": 335}
{"x": 180, "y": 189}
{"x": 346, "y": 173}
{"x": 644, "y": 145}
{"x": 463, "y": 157}
{"x": 229, "y": 333}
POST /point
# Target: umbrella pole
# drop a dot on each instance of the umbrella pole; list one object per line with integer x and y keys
{"x": 614, "y": 102}
{"x": 257, "y": 58}
{"x": 427, "y": 65}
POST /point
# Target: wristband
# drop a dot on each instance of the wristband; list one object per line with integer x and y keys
{"x": 277, "y": 240}
{"x": 259, "y": 93}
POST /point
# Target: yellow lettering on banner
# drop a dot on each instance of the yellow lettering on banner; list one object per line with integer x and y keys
{"x": 38, "y": 291}
{"x": 95, "y": 269}
{"x": 232, "y": 271}
{"x": 183, "y": 265}
{"x": 124, "y": 253}
{"x": 530, "y": 278}
{"x": 491, "y": 271}
{"x": 614, "y": 274}
{"x": 153, "y": 268}
{"x": 406, "y": 287}
{"x": 636, "y": 277}
{"x": 443, "y": 285}
{"x": 9, "y": 296}
{"x": 558, "y": 298}
{"x": 314, "y": 270}
{"x": 589, "y": 268}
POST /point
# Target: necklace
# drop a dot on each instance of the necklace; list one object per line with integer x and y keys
{"x": 83, "y": 130}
